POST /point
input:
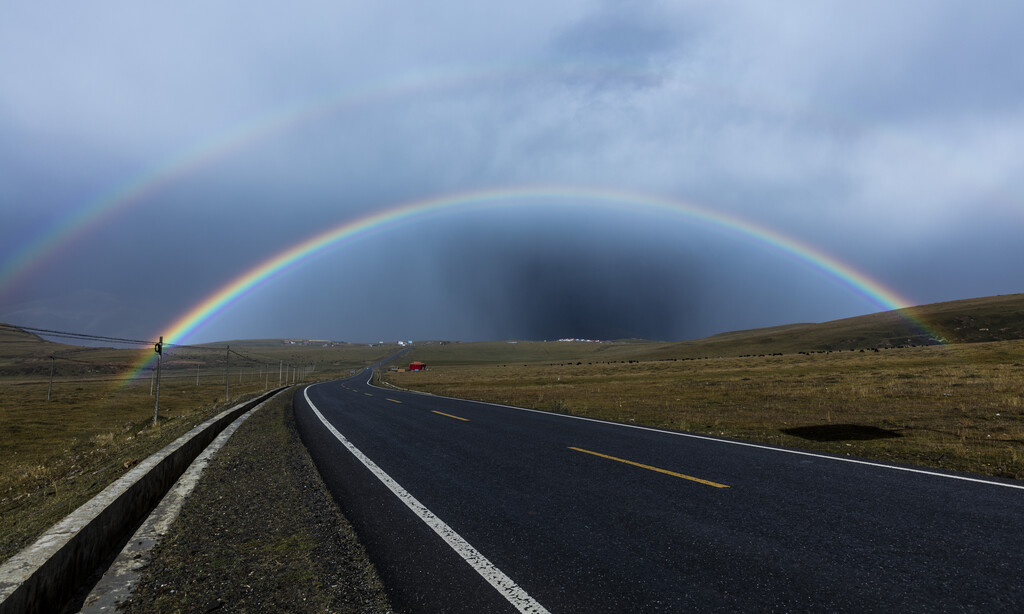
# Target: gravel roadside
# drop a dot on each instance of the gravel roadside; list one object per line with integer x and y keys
{"x": 260, "y": 533}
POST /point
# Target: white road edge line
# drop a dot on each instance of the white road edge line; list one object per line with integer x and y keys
{"x": 494, "y": 576}
{"x": 728, "y": 441}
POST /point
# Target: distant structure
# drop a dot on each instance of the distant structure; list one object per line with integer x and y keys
{"x": 417, "y": 366}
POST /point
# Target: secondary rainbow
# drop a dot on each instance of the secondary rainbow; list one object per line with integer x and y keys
{"x": 214, "y": 304}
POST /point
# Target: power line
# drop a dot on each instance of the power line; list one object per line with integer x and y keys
{"x": 71, "y": 335}
{"x": 65, "y": 358}
{"x": 63, "y": 334}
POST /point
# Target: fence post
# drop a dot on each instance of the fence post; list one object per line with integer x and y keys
{"x": 50, "y": 388}
{"x": 227, "y": 375}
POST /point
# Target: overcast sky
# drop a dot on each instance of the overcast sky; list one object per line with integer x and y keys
{"x": 888, "y": 135}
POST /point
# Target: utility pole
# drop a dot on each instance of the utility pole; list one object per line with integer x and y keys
{"x": 197, "y": 375}
{"x": 280, "y": 372}
{"x": 159, "y": 349}
{"x": 227, "y": 375}
{"x": 50, "y": 389}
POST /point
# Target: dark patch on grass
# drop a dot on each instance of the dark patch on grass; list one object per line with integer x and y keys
{"x": 840, "y": 432}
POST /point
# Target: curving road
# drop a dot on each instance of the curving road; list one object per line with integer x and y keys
{"x": 474, "y": 507}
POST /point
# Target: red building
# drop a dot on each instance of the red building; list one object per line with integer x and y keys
{"x": 417, "y": 366}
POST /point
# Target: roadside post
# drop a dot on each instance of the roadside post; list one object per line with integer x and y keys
{"x": 159, "y": 349}
{"x": 50, "y": 388}
{"x": 227, "y": 375}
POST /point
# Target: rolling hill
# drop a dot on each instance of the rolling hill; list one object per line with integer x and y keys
{"x": 986, "y": 319}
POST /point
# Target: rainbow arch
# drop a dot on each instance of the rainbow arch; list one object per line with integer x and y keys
{"x": 147, "y": 181}
{"x": 202, "y": 312}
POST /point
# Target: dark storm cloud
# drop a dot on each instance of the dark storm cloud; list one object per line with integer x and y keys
{"x": 556, "y": 288}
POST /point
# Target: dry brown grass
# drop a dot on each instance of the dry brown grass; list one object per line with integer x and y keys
{"x": 56, "y": 455}
{"x": 957, "y": 406}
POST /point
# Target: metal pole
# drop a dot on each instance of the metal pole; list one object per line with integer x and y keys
{"x": 197, "y": 375}
{"x": 280, "y": 373}
{"x": 227, "y": 375}
{"x": 50, "y": 389}
{"x": 159, "y": 359}
{"x": 156, "y": 407}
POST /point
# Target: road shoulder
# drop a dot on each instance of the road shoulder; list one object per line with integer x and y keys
{"x": 260, "y": 533}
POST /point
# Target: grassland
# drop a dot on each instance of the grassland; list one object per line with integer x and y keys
{"x": 55, "y": 455}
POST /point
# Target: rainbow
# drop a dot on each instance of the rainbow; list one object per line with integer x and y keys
{"x": 214, "y": 304}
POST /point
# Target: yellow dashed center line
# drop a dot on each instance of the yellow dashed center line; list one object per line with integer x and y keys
{"x": 642, "y": 466}
{"x": 450, "y": 416}
{"x": 394, "y": 401}
{"x": 368, "y": 394}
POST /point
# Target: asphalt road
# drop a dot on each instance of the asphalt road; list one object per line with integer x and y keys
{"x": 473, "y": 507}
